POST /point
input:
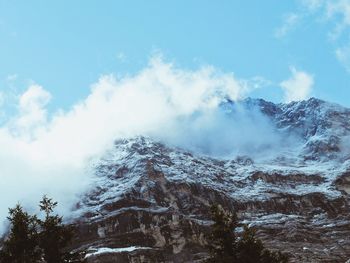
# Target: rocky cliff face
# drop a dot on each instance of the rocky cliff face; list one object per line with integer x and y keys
{"x": 150, "y": 202}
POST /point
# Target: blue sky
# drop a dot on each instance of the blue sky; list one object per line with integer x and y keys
{"x": 65, "y": 46}
{"x": 77, "y": 75}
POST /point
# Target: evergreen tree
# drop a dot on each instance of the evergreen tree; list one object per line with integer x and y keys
{"x": 251, "y": 250}
{"x": 32, "y": 240}
{"x": 54, "y": 236}
{"x": 223, "y": 239}
{"x": 225, "y": 247}
{"x": 21, "y": 245}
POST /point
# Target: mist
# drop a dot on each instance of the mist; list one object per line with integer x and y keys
{"x": 44, "y": 153}
{"x": 224, "y": 133}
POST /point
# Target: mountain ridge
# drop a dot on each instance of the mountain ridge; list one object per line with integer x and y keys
{"x": 155, "y": 198}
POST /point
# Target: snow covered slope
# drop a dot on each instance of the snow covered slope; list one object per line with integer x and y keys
{"x": 149, "y": 194}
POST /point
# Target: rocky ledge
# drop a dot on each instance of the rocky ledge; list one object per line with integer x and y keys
{"x": 150, "y": 203}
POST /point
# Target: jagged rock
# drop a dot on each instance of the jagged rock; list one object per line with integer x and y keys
{"x": 157, "y": 198}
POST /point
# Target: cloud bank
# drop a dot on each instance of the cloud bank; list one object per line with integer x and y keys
{"x": 199, "y": 110}
{"x": 48, "y": 154}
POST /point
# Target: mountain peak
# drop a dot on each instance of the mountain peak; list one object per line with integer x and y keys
{"x": 153, "y": 195}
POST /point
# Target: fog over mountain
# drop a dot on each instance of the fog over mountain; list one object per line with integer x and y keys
{"x": 42, "y": 151}
{"x": 153, "y": 197}
{"x": 147, "y": 122}
{"x": 135, "y": 139}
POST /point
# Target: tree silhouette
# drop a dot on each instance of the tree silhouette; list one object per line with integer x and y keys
{"x": 22, "y": 242}
{"x": 34, "y": 240}
{"x": 54, "y": 236}
{"x": 223, "y": 239}
{"x": 226, "y": 247}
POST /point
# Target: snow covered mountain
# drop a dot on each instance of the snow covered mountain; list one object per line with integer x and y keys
{"x": 150, "y": 199}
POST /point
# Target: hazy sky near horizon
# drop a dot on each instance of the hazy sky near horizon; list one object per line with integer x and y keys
{"x": 288, "y": 50}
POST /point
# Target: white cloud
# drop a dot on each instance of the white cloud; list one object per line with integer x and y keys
{"x": 336, "y": 11}
{"x": 48, "y": 155}
{"x": 339, "y": 7}
{"x": 343, "y": 56}
{"x": 313, "y": 5}
{"x": 32, "y": 111}
{"x": 289, "y": 22}
{"x": 339, "y": 11}
{"x": 34, "y": 99}
{"x": 298, "y": 86}
{"x": 337, "y": 14}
